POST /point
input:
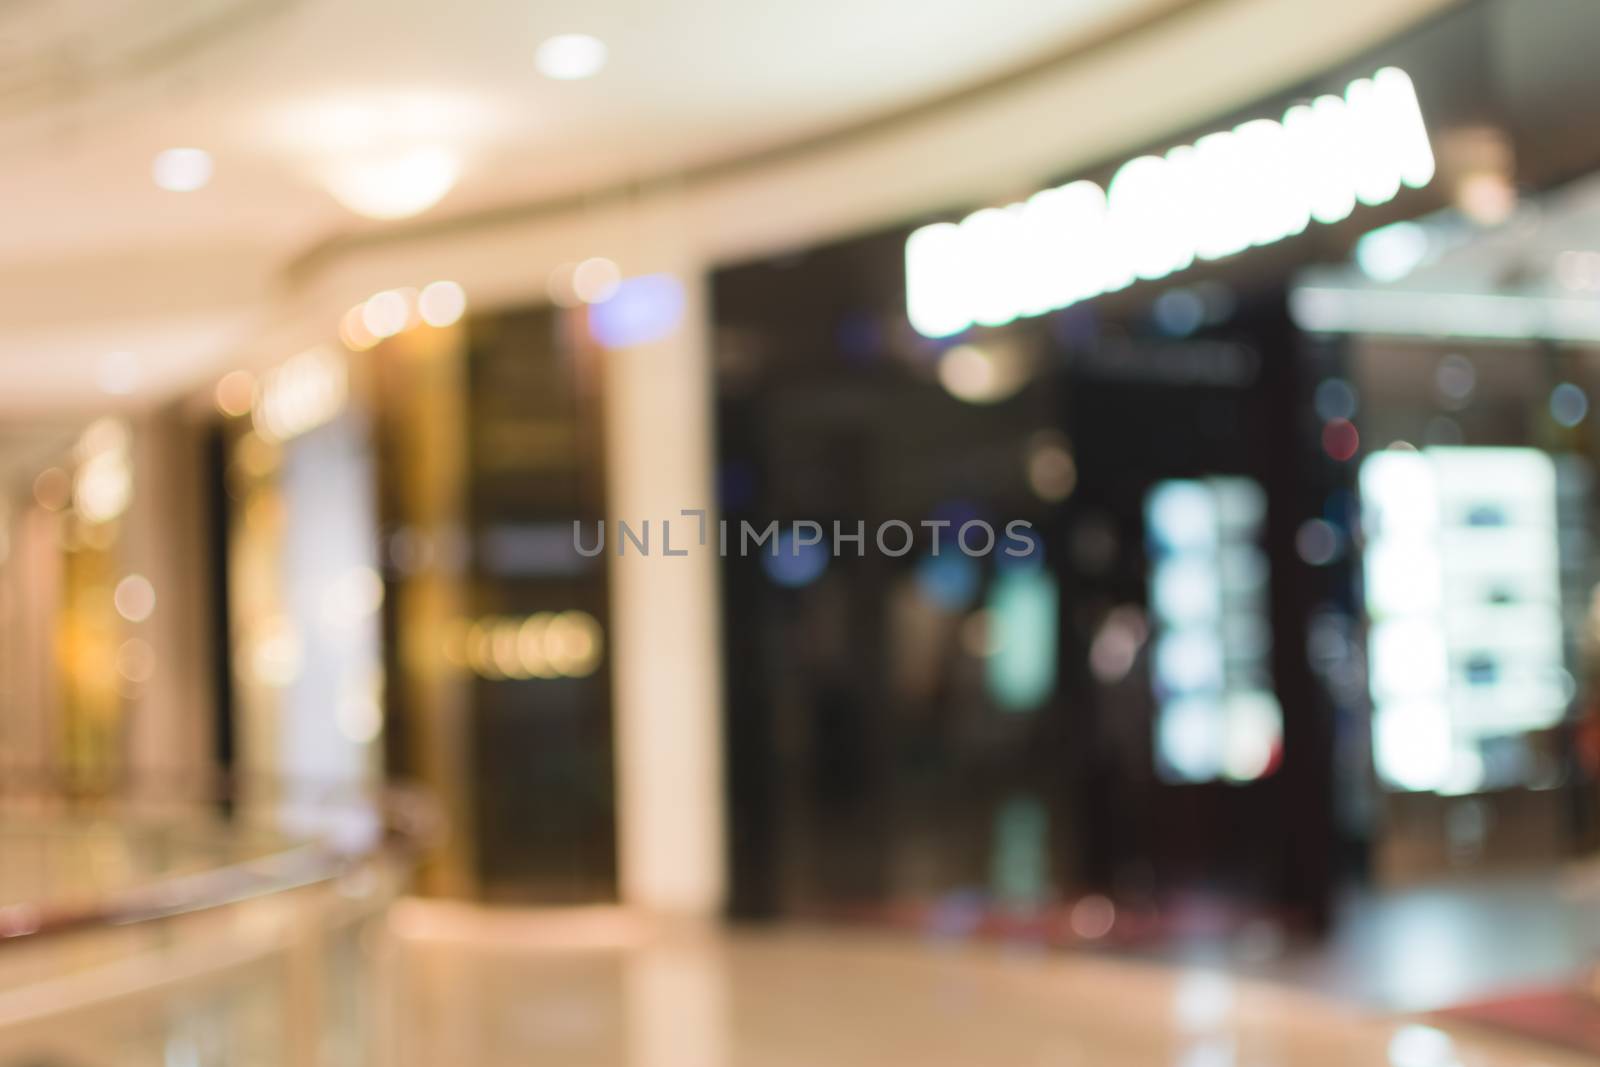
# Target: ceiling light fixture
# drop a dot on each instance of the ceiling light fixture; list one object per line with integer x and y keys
{"x": 395, "y": 186}
{"x": 119, "y": 373}
{"x": 182, "y": 170}
{"x": 571, "y": 56}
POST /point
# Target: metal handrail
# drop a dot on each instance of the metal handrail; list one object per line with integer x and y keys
{"x": 408, "y": 824}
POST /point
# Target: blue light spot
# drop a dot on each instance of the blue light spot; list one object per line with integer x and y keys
{"x": 1030, "y": 559}
{"x": 1568, "y": 404}
{"x": 644, "y": 309}
{"x": 949, "y": 579}
{"x": 955, "y": 512}
{"x": 736, "y": 485}
{"x": 795, "y": 565}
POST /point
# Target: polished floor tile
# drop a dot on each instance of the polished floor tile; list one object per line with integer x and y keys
{"x": 598, "y": 989}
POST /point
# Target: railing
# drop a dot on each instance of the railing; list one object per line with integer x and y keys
{"x": 200, "y": 935}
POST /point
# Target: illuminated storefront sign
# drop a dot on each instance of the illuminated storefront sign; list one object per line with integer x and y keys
{"x": 1253, "y": 185}
{"x": 1217, "y": 716}
{"x": 1463, "y": 592}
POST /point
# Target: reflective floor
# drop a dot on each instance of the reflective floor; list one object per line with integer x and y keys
{"x": 598, "y": 990}
{"x": 272, "y": 983}
{"x": 82, "y": 859}
{"x": 339, "y": 971}
{"x": 1427, "y": 946}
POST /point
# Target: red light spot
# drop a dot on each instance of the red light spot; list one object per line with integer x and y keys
{"x": 1339, "y": 439}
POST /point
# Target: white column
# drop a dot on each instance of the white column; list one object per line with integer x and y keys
{"x": 664, "y": 642}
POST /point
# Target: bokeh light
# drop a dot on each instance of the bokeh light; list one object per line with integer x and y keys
{"x": 442, "y": 303}
{"x": 235, "y": 393}
{"x": 596, "y": 280}
{"x": 386, "y": 314}
{"x": 119, "y": 373}
{"x": 981, "y": 375}
{"x": 1568, "y": 404}
{"x": 135, "y": 598}
{"x": 643, "y": 309}
{"x": 394, "y": 185}
{"x": 571, "y": 56}
{"x": 1340, "y": 439}
{"x": 182, "y": 170}
{"x": 1052, "y": 472}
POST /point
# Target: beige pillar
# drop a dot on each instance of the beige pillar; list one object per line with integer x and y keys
{"x": 169, "y": 732}
{"x": 664, "y": 644}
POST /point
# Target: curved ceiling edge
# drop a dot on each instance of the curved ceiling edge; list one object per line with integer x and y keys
{"x": 1216, "y": 56}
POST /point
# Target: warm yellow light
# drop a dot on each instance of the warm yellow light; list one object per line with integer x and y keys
{"x": 52, "y": 489}
{"x": 454, "y": 645}
{"x": 353, "y": 330}
{"x": 277, "y": 654}
{"x": 386, "y": 314}
{"x": 503, "y": 648}
{"x": 395, "y": 185}
{"x": 99, "y": 536}
{"x": 101, "y": 436}
{"x": 236, "y": 391}
{"x": 135, "y": 598}
{"x": 981, "y": 375}
{"x": 480, "y": 656}
{"x": 136, "y": 660}
{"x": 103, "y": 484}
{"x": 1052, "y": 472}
{"x": 596, "y": 280}
{"x": 104, "y": 487}
{"x": 306, "y": 391}
{"x": 442, "y": 303}
{"x": 542, "y": 645}
{"x": 531, "y": 646}
{"x": 572, "y": 643}
{"x": 257, "y": 457}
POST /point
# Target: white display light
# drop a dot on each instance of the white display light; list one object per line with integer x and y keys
{"x": 1463, "y": 593}
{"x": 1216, "y": 715}
{"x": 1253, "y": 185}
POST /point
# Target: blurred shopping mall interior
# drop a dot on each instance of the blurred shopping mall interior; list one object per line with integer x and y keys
{"x": 859, "y": 532}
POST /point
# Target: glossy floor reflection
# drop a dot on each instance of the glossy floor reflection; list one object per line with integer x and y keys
{"x": 596, "y": 989}
{"x": 1427, "y": 946}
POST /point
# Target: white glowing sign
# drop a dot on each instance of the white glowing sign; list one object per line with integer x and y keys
{"x": 1253, "y": 185}
{"x": 1217, "y": 715}
{"x": 1463, "y": 587}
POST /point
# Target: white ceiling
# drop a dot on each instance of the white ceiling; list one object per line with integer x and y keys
{"x": 94, "y": 257}
{"x": 687, "y": 81}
